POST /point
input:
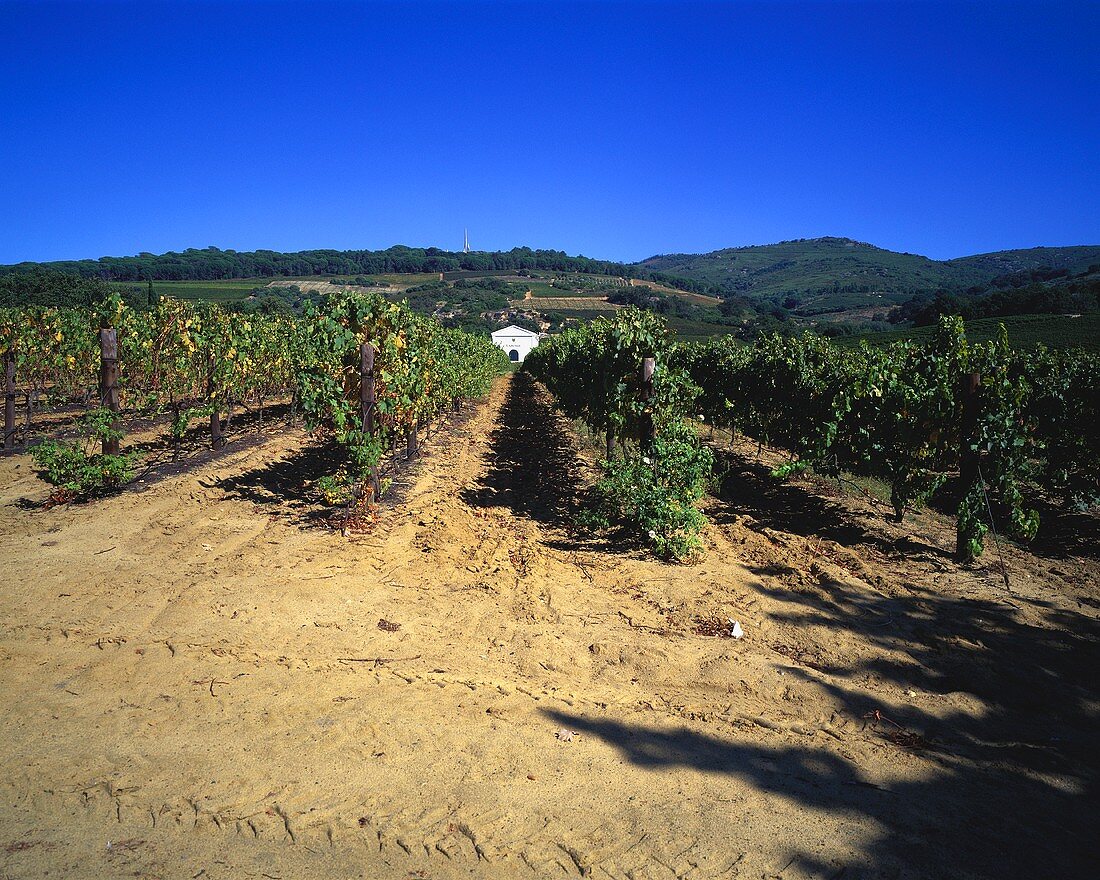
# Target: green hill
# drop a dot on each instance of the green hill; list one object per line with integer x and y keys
{"x": 818, "y": 280}
{"x": 830, "y": 275}
{"x": 1076, "y": 259}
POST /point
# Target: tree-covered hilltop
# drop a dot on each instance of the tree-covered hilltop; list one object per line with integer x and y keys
{"x": 211, "y": 264}
{"x": 829, "y": 275}
{"x": 805, "y": 267}
{"x": 1009, "y": 268}
{"x": 835, "y": 286}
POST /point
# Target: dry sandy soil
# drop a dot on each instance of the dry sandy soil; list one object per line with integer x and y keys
{"x": 199, "y": 681}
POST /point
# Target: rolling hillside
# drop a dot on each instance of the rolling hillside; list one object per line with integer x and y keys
{"x": 821, "y": 280}
{"x": 1075, "y": 259}
{"x": 830, "y": 275}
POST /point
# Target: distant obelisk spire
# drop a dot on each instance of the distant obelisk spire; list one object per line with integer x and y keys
{"x": 466, "y": 241}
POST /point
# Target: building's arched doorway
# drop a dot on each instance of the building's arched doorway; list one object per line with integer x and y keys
{"x": 513, "y": 355}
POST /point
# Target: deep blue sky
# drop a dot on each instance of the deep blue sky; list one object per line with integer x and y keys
{"x": 615, "y": 130}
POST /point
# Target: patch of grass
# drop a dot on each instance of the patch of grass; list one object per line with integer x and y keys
{"x": 1024, "y": 331}
{"x": 238, "y": 289}
{"x": 542, "y": 289}
{"x": 211, "y": 291}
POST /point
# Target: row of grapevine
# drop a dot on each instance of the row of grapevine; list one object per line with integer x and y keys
{"x": 379, "y": 371}
{"x": 614, "y": 375}
{"x": 916, "y": 415}
{"x": 189, "y": 359}
{"x": 182, "y": 357}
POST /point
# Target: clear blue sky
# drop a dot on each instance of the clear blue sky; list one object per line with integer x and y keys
{"x": 615, "y": 130}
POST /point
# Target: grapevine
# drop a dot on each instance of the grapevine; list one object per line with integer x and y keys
{"x": 192, "y": 360}
{"x": 898, "y": 413}
{"x": 594, "y": 372}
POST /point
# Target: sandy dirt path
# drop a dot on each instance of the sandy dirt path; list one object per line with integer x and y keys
{"x": 198, "y": 682}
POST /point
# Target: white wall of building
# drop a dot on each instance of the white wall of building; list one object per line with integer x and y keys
{"x": 515, "y": 342}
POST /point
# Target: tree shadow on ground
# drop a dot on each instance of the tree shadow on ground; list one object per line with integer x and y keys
{"x": 747, "y": 488}
{"x": 1006, "y": 791}
{"x": 1037, "y": 683}
{"x": 282, "y": 487}
{"x": 1013, "y": 787}
{"x": 160, "y": 458}
{"x": 532, "y": 467}
{"x": 245, "y": 425}
{"x": 1009, "y": 787}
{"x": 1064, "y": 532}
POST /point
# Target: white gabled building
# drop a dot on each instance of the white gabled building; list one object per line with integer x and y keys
{"x": 515, "y": 341}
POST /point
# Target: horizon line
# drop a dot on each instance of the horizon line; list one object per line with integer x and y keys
{"x": 556, "y": 250}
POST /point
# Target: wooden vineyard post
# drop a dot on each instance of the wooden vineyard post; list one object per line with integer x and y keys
{"x": 9, "y": 403}
{"x": 108, "y": 380}
{"x": 609, "y": 442}
{"x": 411, "y": 445}
{"x": 175, "y": 423}
{"x": 367, "y": 403}
{"x": 366, "y": 386}
{"x": 649, "y": 366}
{"x": 968, "y": 459}
{"x": 217, "y": 439}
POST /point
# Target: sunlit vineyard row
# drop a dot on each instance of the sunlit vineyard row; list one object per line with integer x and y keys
{"x": 1028, "y": 427}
